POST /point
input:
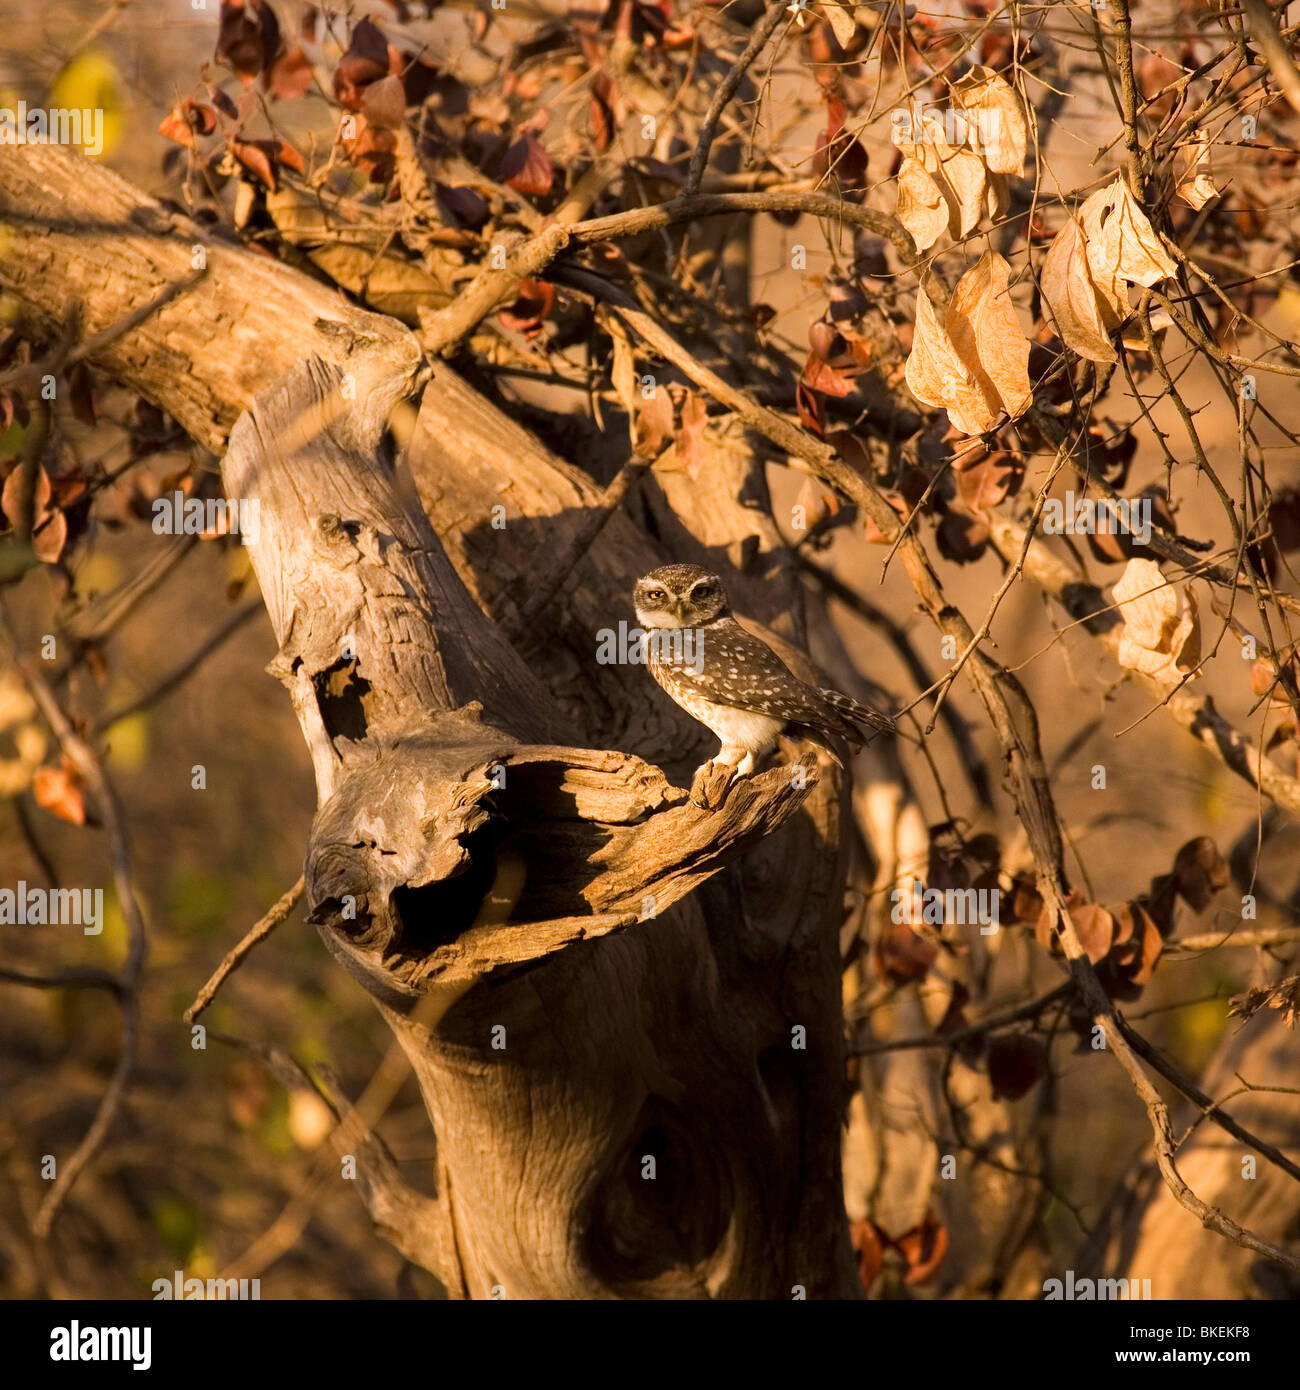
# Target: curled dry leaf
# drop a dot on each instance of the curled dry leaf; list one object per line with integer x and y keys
{"x": 1196, "y": 187}
{"x": 692, "y": 444}
{"x": 984, "y": 329}
{"x": 841, "y": 21}
{"x": 903, "y": 955}
{"x": 1092, "y": 261}
{"x": 652, "y": 423}
{"x": 1073, "y": 299}
{"x": 936, "y": 375}
{"x": 867, "y": 1241}
{"x": 1161, "y": 636}
{"x": 923, "y": 1247}
{"x": 965, "y": 176}
{"x": 1121, "y": 241}
{"x": 1200, "y": 871}
{"x": 958, "y": 174}
{"x": 527, "y": 167}
{"x": 1000, "y": 133}
{"x": 975, "y": 364}
{"x": 921, "y": 206}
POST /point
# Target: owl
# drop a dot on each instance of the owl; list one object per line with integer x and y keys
{"x": 731, "y": 681}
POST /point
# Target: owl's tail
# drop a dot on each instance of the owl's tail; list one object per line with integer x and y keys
{"x": 857, "y": 716}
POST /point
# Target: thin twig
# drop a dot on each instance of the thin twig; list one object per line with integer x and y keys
{"x": 234, "y": 958}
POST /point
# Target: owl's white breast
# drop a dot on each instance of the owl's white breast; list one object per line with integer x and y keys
{"x": 736, "y": 728}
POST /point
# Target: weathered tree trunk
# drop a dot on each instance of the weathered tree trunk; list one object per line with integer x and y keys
{"x": 586, "y": 971}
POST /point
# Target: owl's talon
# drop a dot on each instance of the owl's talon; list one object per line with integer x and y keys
{"x": 709, "y": 786}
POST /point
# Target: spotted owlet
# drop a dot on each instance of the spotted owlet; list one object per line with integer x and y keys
{"x": 731, "y": 681}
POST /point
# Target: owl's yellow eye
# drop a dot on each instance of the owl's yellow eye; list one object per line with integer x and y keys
{"x": 655, "y": 595}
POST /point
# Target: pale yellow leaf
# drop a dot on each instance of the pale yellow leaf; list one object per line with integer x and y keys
{"x": 841, "y": 21}
{"x": 1161, "y": 636}
{"x": 965, "y": 175}
{"x": 996, "y": 197}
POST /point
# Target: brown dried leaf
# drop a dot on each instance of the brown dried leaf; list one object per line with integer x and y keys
{"x": 526, "y": 166}
{"x": 923, "y": 1248}
{"x": 1196, "y": 187}
{"x": 937, "y": 376}
{"x": 999, "y": 131}
{"x": 1016, "y": 1063}
{"x": 1072, "y": 297}
{"x": 1095, "y": 928}
{"x": 692, "y": 448}
{"x": 983, "y": 327}
{"x": 904, "y": 955}
{"x": 921, "y": 206}
{"x": 1284, "y": 995}
{"x": 1200, "y": 871}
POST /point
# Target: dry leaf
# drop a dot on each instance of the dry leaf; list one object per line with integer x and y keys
{"x": 936, "y": 375}
{"x": 1161, "y": 637}
{"x": 999, "y": 133}
{"x": 966, "y": 177}
{"x": 58, "y": 791}
{"x": 623, "y": 371}
{"x": 692, "y": 448}
{"x": 997, "y": 198}
{"x": 1196, "y": 186}
{"x": 1121, "y": 241}
{"x": 841, "y": 21}
{"x": 1072, "y": 298}
{"x": 982, "y": 324}
{"x": 921, "y": 207}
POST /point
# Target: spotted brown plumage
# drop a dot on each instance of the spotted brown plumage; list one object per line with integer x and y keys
{"x": 730, "y": 680}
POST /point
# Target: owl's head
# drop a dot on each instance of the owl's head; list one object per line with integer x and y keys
{"x": 679, "y": 596}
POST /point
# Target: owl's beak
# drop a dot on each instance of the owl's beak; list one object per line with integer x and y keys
{"x": 679, "y": 609}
